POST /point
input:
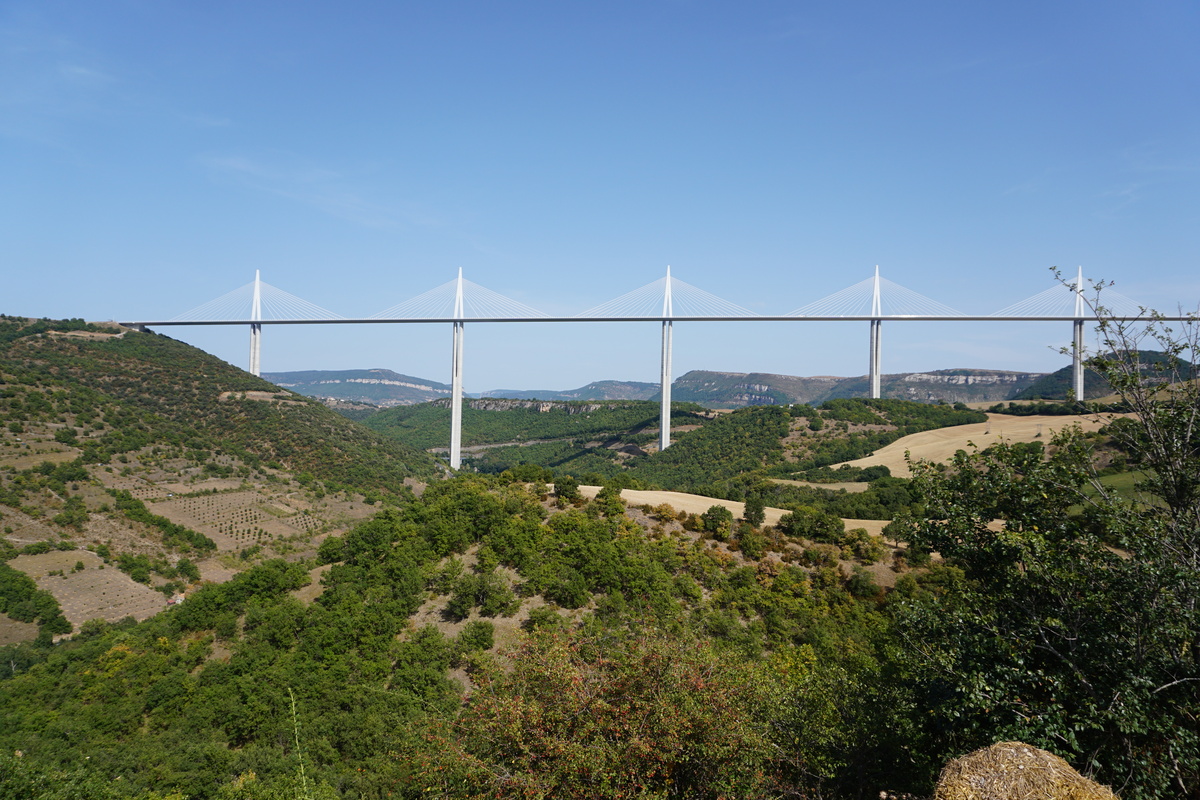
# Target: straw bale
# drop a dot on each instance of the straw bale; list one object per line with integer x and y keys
{"x": 1015, "y": 771}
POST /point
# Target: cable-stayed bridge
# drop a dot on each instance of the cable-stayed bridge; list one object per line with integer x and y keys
{"x": 667, "y": 300}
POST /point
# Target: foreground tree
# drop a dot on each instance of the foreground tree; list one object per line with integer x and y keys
{"x": 1077, "y": 626}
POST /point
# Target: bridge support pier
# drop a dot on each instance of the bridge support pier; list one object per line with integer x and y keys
{"x": 456, "y": 398}
{"x": 664, "y": 408}
{"x": 876, "y": 337}
{"x": 256, "y": 350}
{"x": 1077, "y": 339}
{"x": 1077, "y": 361}
{"x": 664, "y": 416}
{"x": 874, "y": 372}
{"x": 456, "y": 385}
{"x": 256, "y": 329}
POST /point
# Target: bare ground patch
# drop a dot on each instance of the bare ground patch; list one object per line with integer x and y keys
{"x": 13, "y": 632}
{"x": 98, "y": 591}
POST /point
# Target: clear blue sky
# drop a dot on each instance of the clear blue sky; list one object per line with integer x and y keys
{"x": 154, "y": 154}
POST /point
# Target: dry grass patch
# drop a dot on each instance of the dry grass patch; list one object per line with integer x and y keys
{"x": 1015, "y": 771}
{"x": 940, "y": 445}
{"x": 13, "y": 632}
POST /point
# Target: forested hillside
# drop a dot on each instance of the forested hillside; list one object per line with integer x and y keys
{"x": 119, "y": 392}
{"x": 1057, "y": 385}
{"x": 491, "y": 421}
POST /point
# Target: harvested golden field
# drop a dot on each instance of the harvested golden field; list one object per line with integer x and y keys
{"x": 941, "y": 444}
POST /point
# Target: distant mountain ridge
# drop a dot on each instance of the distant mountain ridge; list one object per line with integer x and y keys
{"x": 380, "y": 387}
{"x": 596, "y": 390}
{"x": 709, "y": 388}
{"x": 733, "y": 389}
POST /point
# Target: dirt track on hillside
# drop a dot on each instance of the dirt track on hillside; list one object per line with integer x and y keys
{"x": 941, "y": 444}
{"x": 698, "y": 504}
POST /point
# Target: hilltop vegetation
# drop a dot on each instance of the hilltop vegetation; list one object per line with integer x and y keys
{"x": 1057, "y": 385}
{"x": 126, "y": 391}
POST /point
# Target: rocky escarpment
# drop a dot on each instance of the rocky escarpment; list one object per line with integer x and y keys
{"x": 541, "y": 406}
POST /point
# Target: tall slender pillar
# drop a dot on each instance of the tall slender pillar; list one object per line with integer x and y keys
{"x": 664, "y": 415}
{"x": 456, "y": 386}
{"x": 456, "y": 399}
{"x": 1077, "y": 340}
{"x": 876, "y": 340}
{"x": 256, "y": 329}
{"x": 876, "y": 357}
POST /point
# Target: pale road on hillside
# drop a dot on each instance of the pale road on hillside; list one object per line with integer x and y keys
{"x": 698, "y": 504}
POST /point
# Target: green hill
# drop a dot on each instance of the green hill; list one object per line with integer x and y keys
{"x": 718, "y": 454}
{"x": 138, "y": 452}
{"x": 482, "y": 638}
{"x": 120, "y": 392}
{"x": 213, "y": 697}
{"x": 1057, "y": 385}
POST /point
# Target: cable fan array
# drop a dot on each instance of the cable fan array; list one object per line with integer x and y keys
{"x": 668, "y": 298}
{"x": 239, "y": 305}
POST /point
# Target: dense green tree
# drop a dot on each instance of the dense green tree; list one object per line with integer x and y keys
{"x": 755, "y": 510}
{"x": 718, "y": 520}
{"x": 807, "y": 522}
{"x": 566, "y": 488}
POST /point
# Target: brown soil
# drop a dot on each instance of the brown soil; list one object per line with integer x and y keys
{"x": 306, "y": 594}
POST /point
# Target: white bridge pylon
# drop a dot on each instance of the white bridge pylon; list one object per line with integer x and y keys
{"x": 1069, "y": 299}
{"x": 876, "y": 298}
{"x": 250, "y": 302}
{"x": 458, "y": 300}
{"x": 666, "y": 298}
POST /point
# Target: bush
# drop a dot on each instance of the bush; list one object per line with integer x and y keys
{"x": 807, "y": 522}
{"x": 718, "y": 521}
